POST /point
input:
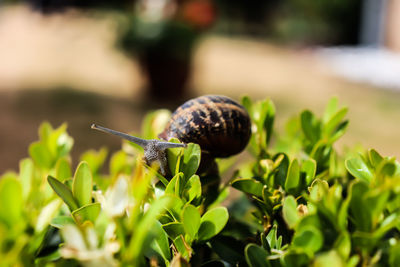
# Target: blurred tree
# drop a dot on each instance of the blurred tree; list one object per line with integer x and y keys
{"x": 49, "y": 6}
{"x": 162, "y": 34}
{"x": 319, "y": 22}
{"x": 293, "y": 21}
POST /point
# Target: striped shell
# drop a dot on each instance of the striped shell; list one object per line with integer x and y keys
{"x": 218, "y": 124}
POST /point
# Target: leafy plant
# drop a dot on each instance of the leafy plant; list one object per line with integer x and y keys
{"x": 302, "y": 202}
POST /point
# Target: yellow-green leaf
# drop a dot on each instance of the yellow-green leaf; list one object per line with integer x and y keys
{"x": 82, "y": 184}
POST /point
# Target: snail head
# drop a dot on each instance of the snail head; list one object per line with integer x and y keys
{"x": 154, "y": 150}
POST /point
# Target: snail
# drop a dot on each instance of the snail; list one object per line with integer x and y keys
{"x": 218, "y": 124}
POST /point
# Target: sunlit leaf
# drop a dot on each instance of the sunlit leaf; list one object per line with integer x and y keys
{"x": 26, "y": 169}
{"x": 331, "y": 109}
{"x": 334, "y": 121}
{"x": 82, "y": 185}
{"x": 41, "y": 155}
{"x": 47, "y": 213}
{"x": 359, "y": 169}
{"x": 174, "y": 157}
{"x": 309, "y": 238}
{"x": 212, "y": 222}
{"x": 161, "y": 243}
{"x": 290, "y": 211}
{"x": 191, "y": 160}
{"x": 119, "y": 163}
{"x": 95, "y": 159}
{"x": 330, "y": 258}
{"x": 64, "y": 192}
{"x": 11, "y": 199}
{"x": 310, "y": 126}
{"x": 63, "y": 169}
{"x": 309, "y": 166}
{"x": 374, "y": 157}
{"x": 248, "y": 185}
{"x": 192, "y": 188}
{"x": 60, "y": 221}
{"x": 87, "y": 212}
{"x": 174, "y": 229}
{"x": 191, "y": 220}
{"x": 293, "y": 176}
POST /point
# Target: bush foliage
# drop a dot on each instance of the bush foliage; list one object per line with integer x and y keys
{"x": 301, "y": 202}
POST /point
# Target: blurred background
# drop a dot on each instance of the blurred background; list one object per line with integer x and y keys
{"x": 110, "y": 62}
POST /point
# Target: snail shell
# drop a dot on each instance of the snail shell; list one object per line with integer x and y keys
{"x": 221, "y": 126}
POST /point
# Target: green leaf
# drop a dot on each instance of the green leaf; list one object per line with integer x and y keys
{"x": 183, "y": 249}
{"x": 272, "y": 237}
{"x": 11, "y": 200}
{"x": 293, "y": 177}
{"x": 339, "y": 131}
{"x": 191, "y": 220}
{"x": 247, "y": 103}
{"x": 310, "y": 126}
{"x": 282, "y": 168}
{"x": 318, "y": 189}
{"x": 334, "y": 122}
{"x": 387, "y": 168}
{"x": 374, "y": 157}
{"x": 191, "y": 160}
{"x": 249, "y": 186}
{"x": 330, "y": 258}
{"x": 89, "y": 212}
{"x": 64, "y": 192}
{"x": 95, "y": 159}
{"x": 212, "y": 222}
{"x": 174, "y": 157}
{"x": 308, "y": 238}
{"x": 45, "y": 131}
{"x": 46, "y": 214}
{"x": 192, "y": 190}
{"x": 59, "y": 142}
{"x": 26, "y": 169}
{"x": 60, "y": 221}
{"x": 394, "y": 255}
{"x": 63, "y": 169}
{"x": 119, "y": 163}
{"x": 176, "y": 206}
{"x": 359, "y": 169}
{"x": 330, "y": 109}
{"x": 41, "y": 155}
{"x": 82, "y": 185}
{"x": 269, "y": 119}
{"x": 256, "y": 256}
{"x": 175, "y": 186}
{"x": 360, "y": 213}
{"x": 154, "y": 122}
{"x": 174, "y": 229}
{"x": 145, "y": 225}
{"x": 343, "y": 245}
{"x": 309, "y": 166}
{"x": 289, "y": 211}
{"x": 161, "y": 243}
{"x": 295, "y": 257}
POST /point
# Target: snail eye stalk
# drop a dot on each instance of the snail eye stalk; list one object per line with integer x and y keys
{"x": 154, "y": 150}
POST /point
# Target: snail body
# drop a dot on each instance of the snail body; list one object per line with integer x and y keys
{"x": 218, "y": 124}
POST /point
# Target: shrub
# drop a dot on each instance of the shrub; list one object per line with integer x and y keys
{"x": 302, "y": 203}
